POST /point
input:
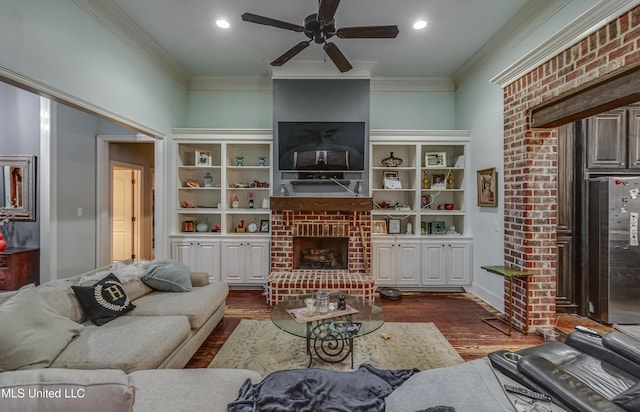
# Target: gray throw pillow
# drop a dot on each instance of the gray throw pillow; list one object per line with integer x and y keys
{"x": 33, "y": 334}
{"x": 168, "y": 275}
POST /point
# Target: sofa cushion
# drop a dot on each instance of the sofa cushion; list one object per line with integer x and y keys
{"x": 32, "y": 333}
{"x": 128, "y": 343}
{"x": 136, "y": 288}
{"x": 199, "y": 279}
{"x": 70, "y": 390}
{"x": 198, "y": 389}
{"x": 168, "y": 275}
{"x": 104, "y": 301}
{"x": 197, "y": 305}
{"x": 59, "y": 295}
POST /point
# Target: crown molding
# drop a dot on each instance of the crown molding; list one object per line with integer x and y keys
{"x": 229, "y": 83}
{"x": 592, "y": 20}
{"x": 313, "y": 69}
{"x": 530, "y": 18}
{"x": 412, "y": 84}
{"x": 115, "y": 20}
{"x": 377, "y": 84}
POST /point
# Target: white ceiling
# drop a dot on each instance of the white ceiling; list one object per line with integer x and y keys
{"x": 186, "y": 31}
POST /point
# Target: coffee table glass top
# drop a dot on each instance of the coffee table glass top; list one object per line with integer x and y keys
{"x": 370, "y": 316}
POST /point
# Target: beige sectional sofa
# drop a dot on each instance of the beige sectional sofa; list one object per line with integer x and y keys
{"x": 163, "y": 331}
{"x": 109, "y": 390}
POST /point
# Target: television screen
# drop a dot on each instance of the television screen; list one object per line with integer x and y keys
{"x": 318, "y": 146}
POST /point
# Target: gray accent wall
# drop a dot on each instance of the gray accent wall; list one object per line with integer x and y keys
{"x": 20, "y": 135}
{"x": 319, "y": 101}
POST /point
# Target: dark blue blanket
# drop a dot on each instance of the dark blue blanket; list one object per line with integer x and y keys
{"x": 320, "y": 390}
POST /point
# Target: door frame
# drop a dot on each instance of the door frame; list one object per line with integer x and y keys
{"x": 103, "y": 194}
{"x": 137, "y": 203}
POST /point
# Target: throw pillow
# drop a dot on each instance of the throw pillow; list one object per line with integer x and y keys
{"x": 33, "y": 334}
{"x": 104, "y": 301}
{"x": 168, "y": 275}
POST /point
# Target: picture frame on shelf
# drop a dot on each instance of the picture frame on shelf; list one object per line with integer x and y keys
{"x": 438, "y": 181}
{"x": 264, "y": 225}
{"x": 391, "y": 180}
{"x": 203, "y": 158}
{"x": 435, "y": 159}
{"x": 438, "y": 227}
{"x": 394, "y": 226}
{"x": 487, "y": 187}
{"x": 378, "y": 227}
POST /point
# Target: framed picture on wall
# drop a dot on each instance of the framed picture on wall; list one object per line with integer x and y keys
{"x": 487, "y": 187}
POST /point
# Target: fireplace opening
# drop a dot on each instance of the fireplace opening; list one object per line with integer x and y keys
{"x": 320, "y": 252}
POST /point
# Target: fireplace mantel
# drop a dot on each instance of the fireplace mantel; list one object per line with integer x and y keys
{"x": 321, "y": 203}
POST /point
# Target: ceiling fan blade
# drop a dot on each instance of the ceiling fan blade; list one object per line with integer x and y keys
{"x": 254, "y": 18}
{"x": 327, "y": 10}
{"x": 289, "y": 54}
{"x": 337, "y": 57}
{"x": 368, "y": 32}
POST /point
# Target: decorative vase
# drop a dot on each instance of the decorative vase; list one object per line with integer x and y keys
{"x": 3, "y": 243}
{"x": 202, "y": 227}
{"x": 391, "y": 161}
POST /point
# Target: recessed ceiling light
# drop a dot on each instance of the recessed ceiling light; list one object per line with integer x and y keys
{"x": 420, "y": 24}
{"x": 222, "y": 23}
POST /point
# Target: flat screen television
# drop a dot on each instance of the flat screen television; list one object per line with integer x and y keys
{"x": 319, "y": 146}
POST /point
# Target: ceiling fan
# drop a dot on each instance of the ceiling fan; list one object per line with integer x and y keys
{"x": 321, "y": 26}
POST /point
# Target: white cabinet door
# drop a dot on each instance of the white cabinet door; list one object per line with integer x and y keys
{"x": 396, "y": 263}
{"x": 406, "y": 261}
{"x": 245, "y": 260}
{"x": 199, "y": 255}
{"x": 233, "y": 263}
{"x": 381, "y": 264}
{"x": 459, "y": 263}
{"x": 207, "y": 258}
{"x": 446, "y": 263}
{"x": 257, "y": 261}
{"x": 433, "y": 264}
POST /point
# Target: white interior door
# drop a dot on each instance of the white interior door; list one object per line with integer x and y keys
{"x": 125, "y": 238}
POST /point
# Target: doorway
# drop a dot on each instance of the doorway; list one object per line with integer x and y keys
{"x": 126, "y": 212}
{"x": 128, "y": 226}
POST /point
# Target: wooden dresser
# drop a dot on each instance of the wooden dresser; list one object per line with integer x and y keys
{"x": 19, "y": 267}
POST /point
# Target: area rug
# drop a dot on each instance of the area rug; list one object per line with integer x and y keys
{"x": 260, "y": 346}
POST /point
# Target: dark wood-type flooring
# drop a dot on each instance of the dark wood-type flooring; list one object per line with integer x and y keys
{"x": 457, "y": 315}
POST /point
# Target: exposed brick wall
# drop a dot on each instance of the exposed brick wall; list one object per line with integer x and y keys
{"x": 530, "y": 161}
{"x": 287, "y": 224}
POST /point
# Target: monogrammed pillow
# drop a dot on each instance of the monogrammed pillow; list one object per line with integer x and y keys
{"x": 104, "y": 301}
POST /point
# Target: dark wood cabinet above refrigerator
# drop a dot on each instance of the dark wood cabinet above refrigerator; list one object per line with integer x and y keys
{"x": 613, "y": 140}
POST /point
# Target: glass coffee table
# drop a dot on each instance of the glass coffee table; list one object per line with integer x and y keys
{"x": 330, "y": 337}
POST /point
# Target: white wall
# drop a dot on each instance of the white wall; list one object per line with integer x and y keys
{"x": 59, "y": 45}
{"x": 479, "y": 108}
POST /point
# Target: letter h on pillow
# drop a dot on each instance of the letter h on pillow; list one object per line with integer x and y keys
{"x": 104, "y": 301}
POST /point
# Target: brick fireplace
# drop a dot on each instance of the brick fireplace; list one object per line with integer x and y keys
{"x": 320, "y": 243}
{"x": 530, "y": 159}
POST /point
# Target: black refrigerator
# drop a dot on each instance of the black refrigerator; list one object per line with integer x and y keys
{"x": 614, "y": 254}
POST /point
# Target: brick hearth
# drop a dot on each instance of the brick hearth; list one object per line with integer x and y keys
{"x": 297, "y": 217}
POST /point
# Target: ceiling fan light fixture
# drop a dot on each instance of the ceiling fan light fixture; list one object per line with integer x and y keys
{"x": 420, "y": 24}
{"x": 223, "y": 23}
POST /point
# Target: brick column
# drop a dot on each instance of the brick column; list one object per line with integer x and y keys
{"x": 530, "y": 161}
